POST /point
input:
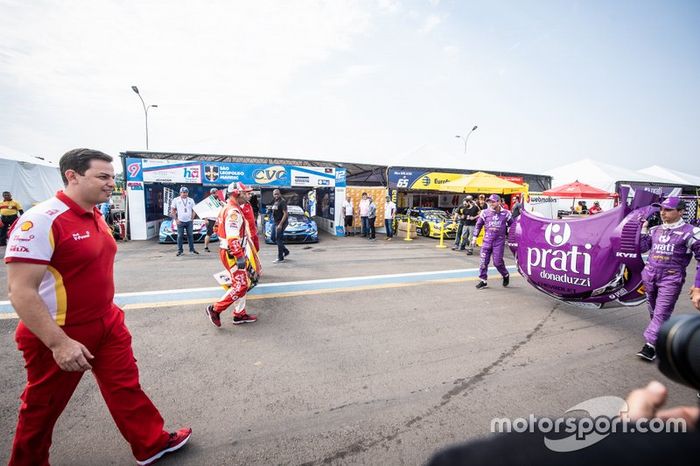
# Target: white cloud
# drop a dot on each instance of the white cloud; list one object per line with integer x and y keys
{"x": 430, "y": 23}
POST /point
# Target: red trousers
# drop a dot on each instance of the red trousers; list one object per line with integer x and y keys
{"x": 239, "y": 286}
{"x": 49, "y": 388}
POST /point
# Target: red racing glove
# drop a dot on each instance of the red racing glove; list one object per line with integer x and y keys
{"x": 234, "y": 248}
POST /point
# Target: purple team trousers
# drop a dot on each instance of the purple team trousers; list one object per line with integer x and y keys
{"x": 662, "y": 286}
{"x": 496, "y": 246}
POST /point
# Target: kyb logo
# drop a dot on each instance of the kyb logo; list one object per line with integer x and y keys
{"x": 557, "y": 236}
{"x": 269, "y": 175}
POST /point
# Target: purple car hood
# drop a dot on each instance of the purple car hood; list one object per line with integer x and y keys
{"x": 592, "y": 261}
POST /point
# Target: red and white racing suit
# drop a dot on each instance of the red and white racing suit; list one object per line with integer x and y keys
{"x": 233, "y": 233}
{"x": 249, "y": 215}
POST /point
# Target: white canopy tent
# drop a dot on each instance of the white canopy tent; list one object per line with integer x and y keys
{"x": 600, "y": 175}
{"x": 674, "y": 175}
{"x": 30, "y": 179}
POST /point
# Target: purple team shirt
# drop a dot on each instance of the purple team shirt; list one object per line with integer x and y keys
{"x": 672, "y": 247}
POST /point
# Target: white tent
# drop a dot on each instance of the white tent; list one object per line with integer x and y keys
{"x": 674, "y": 175}
{"x": 600, "y": 175}
{"x": 29, "y": 179}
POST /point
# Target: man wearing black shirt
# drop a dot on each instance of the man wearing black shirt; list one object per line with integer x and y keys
{"x": 280, "y": 217}
{"x": 470, "y": 212}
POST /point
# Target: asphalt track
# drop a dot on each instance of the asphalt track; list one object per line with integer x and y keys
{"x": 365, "y": 353}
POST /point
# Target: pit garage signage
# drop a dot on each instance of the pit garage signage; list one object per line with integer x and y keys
{"x": 163, "y": 171}
{"x": 221, "y": 174}
{"x": 408, "y": 178}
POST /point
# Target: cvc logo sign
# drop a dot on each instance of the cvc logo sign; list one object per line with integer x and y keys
{"x": 269, "y": 175}
{"x": 557, "y": 236}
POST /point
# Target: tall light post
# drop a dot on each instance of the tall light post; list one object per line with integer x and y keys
{"x": 466, "y": 138}
{"x": 145, "y": 110}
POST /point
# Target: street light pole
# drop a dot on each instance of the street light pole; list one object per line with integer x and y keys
{"x": 466, "y": 138}
{"x": 145, "y": 110}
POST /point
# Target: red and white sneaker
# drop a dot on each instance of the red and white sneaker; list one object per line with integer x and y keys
{"x": 176, "y": 441}
{"x": 244, "y": 319}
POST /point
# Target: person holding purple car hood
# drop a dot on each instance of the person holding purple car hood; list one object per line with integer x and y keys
{"x": 671, "y": 246}
{"x": 495, "y": 221}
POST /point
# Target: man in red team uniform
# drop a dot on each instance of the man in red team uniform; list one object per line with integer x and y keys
{"x": 60, "y": 260}
{"x": 250, "y": 218}
{"x": 234, "y": 236}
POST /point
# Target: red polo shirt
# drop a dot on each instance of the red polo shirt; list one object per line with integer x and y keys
{"x": 78, "y": 248}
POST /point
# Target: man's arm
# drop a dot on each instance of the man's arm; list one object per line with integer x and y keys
{"x": 284, "y": 216}
{"x": 694, "y": 246}
{"x": 24, "y": 280}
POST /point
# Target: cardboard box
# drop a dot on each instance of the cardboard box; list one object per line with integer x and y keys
{"x": 403, "y": 226}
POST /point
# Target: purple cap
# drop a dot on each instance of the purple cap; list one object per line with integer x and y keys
{"x": 672, "y": 202}
{"x": 494, "y": 198}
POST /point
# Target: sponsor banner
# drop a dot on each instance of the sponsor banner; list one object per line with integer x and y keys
{"x": 312, "y": 176}
{"x": 341, "y": 177}
{"x": 169, "y": 171}
{"x": 221, "y": 174}
{"x": 404, "y": 178}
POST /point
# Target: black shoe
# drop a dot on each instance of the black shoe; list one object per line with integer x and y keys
{"x": 647, "y": 352}
{"x": 481, "y": 285}
{"x": 506, "y": 280}
{"x": 214, "y": 316}
{"x": 286, "y": 252}
{"x": 207, "y": 249}
{"x": 194, "y": 252}
{"x": 179, "y": 253}
{"x": 277, "y": 261}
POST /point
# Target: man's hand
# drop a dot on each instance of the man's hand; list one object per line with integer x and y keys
{"x": 646, "y": 402}
{"x": 695, "y": 297}
{"x": 72, "y": 356}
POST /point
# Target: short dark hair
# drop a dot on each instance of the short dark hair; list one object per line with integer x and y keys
{"x": 79, "y": 161}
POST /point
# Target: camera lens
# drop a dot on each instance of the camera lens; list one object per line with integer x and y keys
{"x": 678, "y": 349}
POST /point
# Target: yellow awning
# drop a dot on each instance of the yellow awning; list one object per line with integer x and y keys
{"x": 481, "y": 182}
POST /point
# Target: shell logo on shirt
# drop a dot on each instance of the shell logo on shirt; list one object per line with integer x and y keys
{"x": 26, "y": 226}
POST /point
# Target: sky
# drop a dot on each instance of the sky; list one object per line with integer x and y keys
{"x": 546, "y": 82}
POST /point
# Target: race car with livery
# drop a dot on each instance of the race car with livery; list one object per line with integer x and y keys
{"x": 168, "y": 232}
{"x": 300, "y": 229}
{"x": 427, "y": 221}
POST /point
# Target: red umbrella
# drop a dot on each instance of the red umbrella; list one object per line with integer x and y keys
{"x": 578, "y": 190}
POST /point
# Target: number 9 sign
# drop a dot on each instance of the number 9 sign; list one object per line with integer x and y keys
{"x": 133, "y": 170}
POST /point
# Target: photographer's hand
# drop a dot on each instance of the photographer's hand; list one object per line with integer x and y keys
{"x": 646, "y": 402}
{"x": 695, "y": 297}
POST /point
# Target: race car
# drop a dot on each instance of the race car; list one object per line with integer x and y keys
{"x": 300, "y": 229}
{"x": 168, "y": 232}
{"x": 427, "y": 221}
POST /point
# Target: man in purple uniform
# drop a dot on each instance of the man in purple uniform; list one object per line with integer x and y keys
{"x": 495, "y": 222}
{"x": 671, "y": 246}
